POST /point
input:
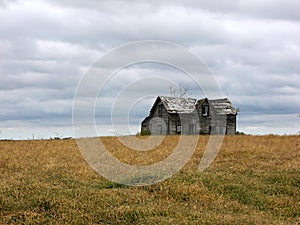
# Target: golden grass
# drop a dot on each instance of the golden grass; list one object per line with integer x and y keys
{"x": 253, "y": 180}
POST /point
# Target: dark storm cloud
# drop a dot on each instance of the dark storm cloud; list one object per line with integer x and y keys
{"x": 252, "y": 47}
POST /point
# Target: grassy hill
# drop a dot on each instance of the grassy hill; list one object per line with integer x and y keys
{"x": 253, "y": 180}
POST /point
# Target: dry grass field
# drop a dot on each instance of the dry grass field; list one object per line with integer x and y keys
{"x": 253, "y": 180}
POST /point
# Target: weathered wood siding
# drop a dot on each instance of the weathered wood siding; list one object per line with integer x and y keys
{"x": 231, "y": 124}
{"x": 160, "y": 121}
{"x": 215, "y": 123}
{"x": 174, "y": 121}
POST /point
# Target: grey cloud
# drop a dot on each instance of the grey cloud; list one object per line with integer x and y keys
{"x": 273, "y": 9}
{"x": 46, "y": 46}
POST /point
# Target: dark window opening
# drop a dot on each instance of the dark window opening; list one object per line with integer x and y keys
{"x": 212, "y": 130}
{"x": 178, "y": 129}
{"x": 160, "y": 108}
{"x": 205, "y": 110}
{"x": 160, "y": 129}
{"x": 223, "y": 130}
{"x": 191, "y": 129}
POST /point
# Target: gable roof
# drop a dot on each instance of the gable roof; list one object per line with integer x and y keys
{"x": 187, "y": 105}
{"x": 176, "y": 104}
{"x": 223, "y": 106}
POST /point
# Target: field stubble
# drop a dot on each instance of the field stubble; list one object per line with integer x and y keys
{"x": 253, "y": 180}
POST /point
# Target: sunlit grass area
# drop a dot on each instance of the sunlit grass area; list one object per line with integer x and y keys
{"x": 253, "y": 180}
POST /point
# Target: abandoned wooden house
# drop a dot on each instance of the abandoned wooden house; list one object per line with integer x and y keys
{"x": 175, "y": 115}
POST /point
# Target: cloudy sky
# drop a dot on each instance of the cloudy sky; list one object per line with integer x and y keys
{"x": 46, "y": 47}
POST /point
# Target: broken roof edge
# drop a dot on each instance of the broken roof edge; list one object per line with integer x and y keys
{"x": 164, "y": 100}
{"x": 220, "y": 105}
{"x": 223, "y": 106}
{"x": 179, "y": 104}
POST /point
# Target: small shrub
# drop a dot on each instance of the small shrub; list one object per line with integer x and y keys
{"x": 202, "y": 132}
{"x": 145, "y": 132}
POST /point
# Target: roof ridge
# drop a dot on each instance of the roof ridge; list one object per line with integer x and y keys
{"x": 175, "y": 104}
{"x": 164, "y": 96}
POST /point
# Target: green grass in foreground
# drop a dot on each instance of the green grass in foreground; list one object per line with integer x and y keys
{"x": 254, "y": 180}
